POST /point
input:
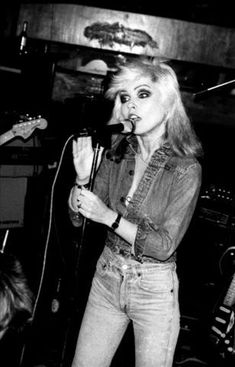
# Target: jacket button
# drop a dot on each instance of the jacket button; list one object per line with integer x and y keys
{"x": 131, "y": 172}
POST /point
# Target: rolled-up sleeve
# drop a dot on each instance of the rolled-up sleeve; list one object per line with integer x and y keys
{"x": 160, "y": 238}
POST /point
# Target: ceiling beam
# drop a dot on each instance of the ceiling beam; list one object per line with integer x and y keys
{"x": 130, "y": 33}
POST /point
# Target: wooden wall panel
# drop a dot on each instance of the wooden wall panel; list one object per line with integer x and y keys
{"x": 179, "y": 40}
{"x": 40, "y": 18}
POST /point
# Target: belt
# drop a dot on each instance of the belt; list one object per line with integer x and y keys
{"x": 128, "y": 255}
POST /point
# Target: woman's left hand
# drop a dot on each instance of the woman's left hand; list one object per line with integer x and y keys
{"x": 91, "y": 207}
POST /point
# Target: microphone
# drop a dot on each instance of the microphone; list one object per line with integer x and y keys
{"x": 126, "y": 127}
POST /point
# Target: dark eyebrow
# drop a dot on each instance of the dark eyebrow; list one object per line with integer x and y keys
{"x": 138, "y": 86}
{"x": 142, "y": 85}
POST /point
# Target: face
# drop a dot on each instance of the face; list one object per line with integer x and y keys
{"x": 141, "y": 99}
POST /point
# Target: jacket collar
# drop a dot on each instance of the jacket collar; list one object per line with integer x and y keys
{"x": 164, "y": 150}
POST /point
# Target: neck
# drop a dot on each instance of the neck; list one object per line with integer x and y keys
{"x": 148, "y": 146}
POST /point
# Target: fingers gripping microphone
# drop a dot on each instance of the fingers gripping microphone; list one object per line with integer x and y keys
{"x": 126, "y": 127}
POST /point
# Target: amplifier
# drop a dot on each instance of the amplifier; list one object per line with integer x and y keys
{"x": 12, "y": 201}
{"x": 216, "y": 206}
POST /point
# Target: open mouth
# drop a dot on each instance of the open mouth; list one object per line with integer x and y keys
{"x": 133, "y": 117}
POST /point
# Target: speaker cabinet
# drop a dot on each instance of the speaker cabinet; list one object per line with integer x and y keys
{"x": 12, "y": 201}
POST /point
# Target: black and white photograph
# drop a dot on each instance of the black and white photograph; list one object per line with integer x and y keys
{"x": 117, "y": 183}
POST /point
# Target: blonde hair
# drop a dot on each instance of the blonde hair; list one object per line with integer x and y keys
{"x": 179, "y": 131}
{"x": 15, "y": 296}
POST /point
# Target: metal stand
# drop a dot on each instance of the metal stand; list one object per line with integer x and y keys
{"x": 70, "y": 332}
{"x": 84, "y": 223}
{"x": 202, "y": 92}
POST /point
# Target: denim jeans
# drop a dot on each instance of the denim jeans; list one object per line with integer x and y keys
{"x": 125, "y": 290}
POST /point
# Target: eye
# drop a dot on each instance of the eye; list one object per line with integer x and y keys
{"x": 124, "y": 98}
{"x": 143, "y": 93}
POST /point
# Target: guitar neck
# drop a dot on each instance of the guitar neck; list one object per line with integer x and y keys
{"x": 6, "y": 137}
{"x": 229, "y": 299}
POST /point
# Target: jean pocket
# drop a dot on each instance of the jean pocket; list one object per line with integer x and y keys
{"x": 154, "y": 283}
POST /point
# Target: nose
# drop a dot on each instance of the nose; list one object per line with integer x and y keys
{"x": 131, "y": 104}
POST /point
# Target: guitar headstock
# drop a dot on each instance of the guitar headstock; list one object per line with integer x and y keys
{"x": 26, "y": 128}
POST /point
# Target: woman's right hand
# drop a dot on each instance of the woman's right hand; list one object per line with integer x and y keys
{"x": 83, "y": 154}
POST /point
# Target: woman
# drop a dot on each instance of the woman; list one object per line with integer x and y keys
{"x": 145, "y": 192}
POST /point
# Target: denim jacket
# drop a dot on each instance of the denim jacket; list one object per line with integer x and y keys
{"x": 162, "y": 205}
